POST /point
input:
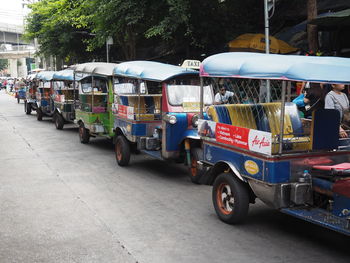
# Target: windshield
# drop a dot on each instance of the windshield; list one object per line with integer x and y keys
{"x": 58, "y": 85}
{"x": 124, "y": 88}
{"x": 180, "y": 94}
{"x": 100, "y": 85}
{"x": 45, "y": 84}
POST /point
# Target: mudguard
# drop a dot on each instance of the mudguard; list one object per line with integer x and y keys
{"x": 232, "y": 167}
{"x": 190, "y": 134}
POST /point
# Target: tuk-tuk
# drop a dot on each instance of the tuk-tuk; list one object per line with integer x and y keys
{"x": 44, "y": 101}
{"x": 93, "y": 113}
{"x": 20, "y": 91}
{"x": 259, "y": 147}
{"x": 31, "y": 89}
{"x": 65, "y": 97}
{"x": 156, "y": 110}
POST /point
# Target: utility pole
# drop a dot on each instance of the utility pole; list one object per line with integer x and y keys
{"x": 312, "y": 36}
{"x": 268, "y": 5}
{"x": 267, "y": 29}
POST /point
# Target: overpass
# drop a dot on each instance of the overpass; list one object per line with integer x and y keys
{"x": 11, "y": 34}
{"x": 15, "y": 49}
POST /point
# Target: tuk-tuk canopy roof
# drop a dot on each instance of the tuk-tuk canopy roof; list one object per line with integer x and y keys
{"x": 279, "y": 67}
{"x": 95, "y": 68}
{"x": 45, "y": 75}
{"x": 66, "y": 74}
{"x": 150, "y": 70}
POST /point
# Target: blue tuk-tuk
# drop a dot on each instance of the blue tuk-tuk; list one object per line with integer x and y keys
{"x": 20, "y": 91}
{"x": 156, "y": 110}
{"x": 65, "y": 97}
{"x": 44, "y": 101}
{"x": 31, "y": 90}
{"x": 259, "y": 147}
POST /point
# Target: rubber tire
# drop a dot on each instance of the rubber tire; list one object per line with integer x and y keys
{"x": 196, "y": 155}
{"x": 84, "y": 134}
{"x": 28, "y": 108}
{"x": 59, "y": 121}
{"x": 123, "y": 147}
{"x": 39, "y": 114}
{"x": 18, "y": 100}
{"x": 241, "y": 199}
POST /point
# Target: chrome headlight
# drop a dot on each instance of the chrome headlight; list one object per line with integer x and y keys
{"x": 195, "y": 121}
{"x": 170, "y": 118}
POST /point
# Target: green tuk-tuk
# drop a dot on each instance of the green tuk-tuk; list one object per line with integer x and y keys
{"x": 93, "y": 114}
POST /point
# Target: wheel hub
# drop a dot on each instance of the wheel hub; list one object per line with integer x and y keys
{"x": 225, "y": 199}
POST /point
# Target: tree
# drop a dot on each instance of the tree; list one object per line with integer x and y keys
{"x": 124, "y": 20}
{"x": 166, "y": 30}
{"x": 53, "y": 23}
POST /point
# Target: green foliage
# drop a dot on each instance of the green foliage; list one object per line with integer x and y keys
{"x": 53, "y": 23}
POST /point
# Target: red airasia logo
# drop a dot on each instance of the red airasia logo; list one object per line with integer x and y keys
{"x": 260, "y": 143}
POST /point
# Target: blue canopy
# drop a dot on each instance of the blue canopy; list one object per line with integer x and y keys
{"x": 279, "y": 67}
{"x": 45, "y": 75}
{"x": 149, "y": 70}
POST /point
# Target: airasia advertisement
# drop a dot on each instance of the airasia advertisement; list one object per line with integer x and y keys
{"x": 249, "y": 139}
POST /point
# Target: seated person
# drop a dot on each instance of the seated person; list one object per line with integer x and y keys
{"x": 223, "y": 96}
{"x": 336, "y": 99}
{"x": 314, "y": 97}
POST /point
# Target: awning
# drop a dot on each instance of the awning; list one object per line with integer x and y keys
{"x": 256, "y": 43}
{"x": 333, "y": 20}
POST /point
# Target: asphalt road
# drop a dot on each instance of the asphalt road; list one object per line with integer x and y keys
{"x": 62, "y": 201}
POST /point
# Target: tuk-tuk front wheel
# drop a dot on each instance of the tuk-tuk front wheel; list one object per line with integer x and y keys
{"x": 59, "y": 121}
{"x": 39, "y": 114}
{"x": 18, "y": 100}
{"x": 195, "y": 172}
{"x": 230, "y": 198}
{"x": 122, "y": 151}
{"x": 84, "y": 134}
{"x": 28, "y": 108}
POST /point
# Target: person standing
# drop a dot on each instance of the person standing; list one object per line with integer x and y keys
{"x": 337, "y": 99}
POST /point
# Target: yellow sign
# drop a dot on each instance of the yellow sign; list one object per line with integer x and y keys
{"x": 190, "y": 106}
{"x": 251, "y": 167}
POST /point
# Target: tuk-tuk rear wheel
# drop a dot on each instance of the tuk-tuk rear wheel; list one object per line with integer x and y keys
{"x": 39, "y": 114}
{"x": 194, "y": 171}
{"x": 28, "y": 108}
{"x": 230, "y": 198}
{"x": 122, "y": 151}
{"x": 84, "y": 134}
{"x": 59, "y": 121}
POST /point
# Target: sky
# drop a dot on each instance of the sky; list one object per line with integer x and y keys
{"x": 11, "y": 12}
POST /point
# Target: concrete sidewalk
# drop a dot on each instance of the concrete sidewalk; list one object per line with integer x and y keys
{"x": 42, "y": 218}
